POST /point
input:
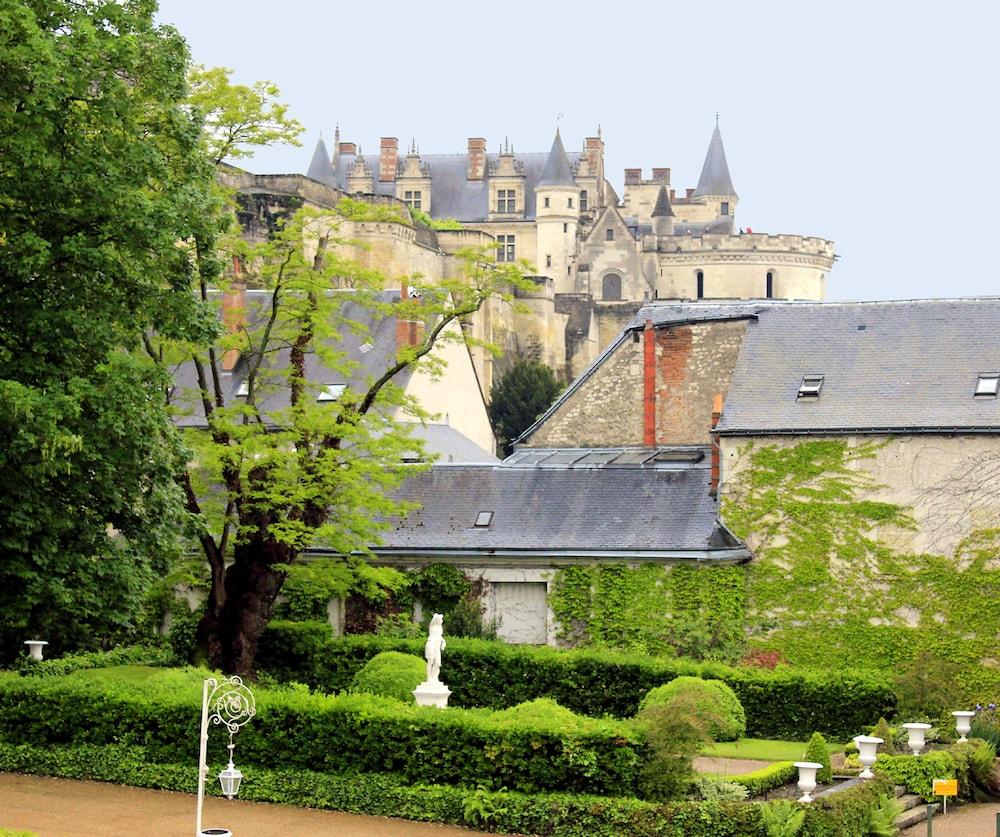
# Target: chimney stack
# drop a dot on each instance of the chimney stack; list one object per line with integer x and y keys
{"x": 234, "y": 311}
{"x": 649, "y": 385}
{"x": 348, "y": 148}
{"x": 633, "y": 176}
{"x": 387, "y": 160}
{"x": 661, "y": 176}
{"x": 477, "y": 158}
{"x": 408, "y": 332}
{"x": 716, "y": 463}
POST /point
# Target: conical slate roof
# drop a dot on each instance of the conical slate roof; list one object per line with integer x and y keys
{"x": 663, "y": 206}
{"x": 320, "y": 167}
{"x": 557, "y": 171}
{"x": 715, "y": 179}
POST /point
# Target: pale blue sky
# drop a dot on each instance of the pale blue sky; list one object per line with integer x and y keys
{"x": 872, "y": 124}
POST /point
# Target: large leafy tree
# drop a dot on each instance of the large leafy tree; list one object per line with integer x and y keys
{"x": 102, "y": 171}
{"x": 278, "y": 470}
{"x": 519, "y": 397}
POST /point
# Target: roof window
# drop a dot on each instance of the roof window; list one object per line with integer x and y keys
{"x": 484, "y": 519}
{"x": 988, "y": 385}
{"x": 810, "y": 386}
{"x": 331, "y": 392}
{"x": 244, "y": 390}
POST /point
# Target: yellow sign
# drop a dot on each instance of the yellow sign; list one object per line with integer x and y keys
{"x": 946, "y": 787}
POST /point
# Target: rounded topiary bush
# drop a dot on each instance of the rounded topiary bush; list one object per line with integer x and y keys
{"x": 714, "y": 702}
{"x": 390, "y": 674}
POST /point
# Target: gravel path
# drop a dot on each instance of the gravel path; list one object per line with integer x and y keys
{"x": 964, "y": 821}
{"x": 65, "y": 808}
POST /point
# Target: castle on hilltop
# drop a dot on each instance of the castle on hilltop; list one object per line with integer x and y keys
{"x": 596, "y": 257}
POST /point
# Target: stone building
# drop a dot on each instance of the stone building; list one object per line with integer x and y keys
{"x": 595, "y": 257}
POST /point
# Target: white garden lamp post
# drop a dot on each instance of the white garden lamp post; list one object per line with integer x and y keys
{"x": 807, "y": 778}
{"x": 916, "y": 733}
{"x": 35, "y": 647}
{"x": 867, "y": 753}
{"x": 963, "y": 723}
{"x": 232, "y": 704}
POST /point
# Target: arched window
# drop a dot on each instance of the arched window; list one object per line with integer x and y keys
{"x": 701, "y": 285}
{"x": 769, "y": 285}
{"x": 611, "y": 286}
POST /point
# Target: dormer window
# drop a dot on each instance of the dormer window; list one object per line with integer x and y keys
{"x": 412, "y": 199}
{"x": 988, "y": 385}
{"x": 810, "y": 386}
{"x": 583, "y": 200}
{"x": 506, "y": 200}
{"x": 331, "y": 392}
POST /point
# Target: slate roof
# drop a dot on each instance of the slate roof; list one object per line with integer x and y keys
{"x": 319, "y": 167}
{"x": 903, "y": 366}
{"x": 449, "y": 445}
{"x": 574, "y": 512}
{"x": 452, "y": 195}
{"x": 556, "y": 171}
{"x": 663, "y": 207}
{"x": 715, "y": 179}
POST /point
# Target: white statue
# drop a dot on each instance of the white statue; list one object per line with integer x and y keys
{"x": 433, "y": 647}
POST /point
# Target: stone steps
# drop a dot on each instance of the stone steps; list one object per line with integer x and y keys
{"x": 914, "y": 809}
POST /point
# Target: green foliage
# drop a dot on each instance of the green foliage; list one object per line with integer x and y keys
{"x": 309, "y": 586}
{"x": 520, "y": 396}
{"x": 390, "y": 674}
{"x": 6, "y": 832}
{"x": 422, "y": 218}
{"x": 887, "y": 734}
{"x": 439, "y": 587}
{"x": 547, "y": 815}
{"x": 675, "y": 730}
{"x": 782, "y": 818}
{"x": 925, "y": 686}
{"x": 975, "y": 769}
{"x": 100, "y": 177}
{"x": 986, "y": 724}
{"x": 882, "y": 817}
{"x": 350, "y": 733}
{"x": 918, "y": 773}
{"x": 688, "y": 611}
{"x": 818, "y": 752}
{"x": 780, "y": 703}
{"x": 758, "y": 782}
{"x": 718, "y": 789}
{"x": 712, "y": 701}
{"x": 130, "y": 655}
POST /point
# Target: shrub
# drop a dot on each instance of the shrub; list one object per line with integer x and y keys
{"x": 918, "y": 773}
{"x": 711, "y": 700}
{"x": 882, "y": 817}
{"x": 778, "y": 704}
{"x": 818, "y": 752}
{"x": 759, "y": 782}
{"x": 717, "y": 789}
{"x": 975, "y": 771}
{"x": 887, "y": 734}
{"x": 140, "y": 655}
{"x": 675, "y": 731}
{"x": 926, "y": 687}
{"x": 761, "y": 658}
{"x": 986, "y": 724}
{"x": 390, "y": 674}
{"x": 782, "y": 818}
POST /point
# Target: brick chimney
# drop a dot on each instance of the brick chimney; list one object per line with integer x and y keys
{"x": 387, "y": 159}
{"x": 348, "y": 148}
{"x": 234, "y": 311}
{"x": 633, "y": 176}
{"x": 688, "y": 193}
{"x": 648, "y": 385}
{"x": 594, "y": 149}
{"x": 477, "y": 158}
{"x": 661, "y": 175}
{"x": 716, "y": 463}
{"x": 408, "y": 332}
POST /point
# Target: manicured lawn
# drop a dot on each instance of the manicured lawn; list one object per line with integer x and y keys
{"x": 168, "y": 678}
{"x": 762, "y": 749}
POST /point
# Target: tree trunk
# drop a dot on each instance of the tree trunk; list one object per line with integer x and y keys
{"x": 230, "y": 633}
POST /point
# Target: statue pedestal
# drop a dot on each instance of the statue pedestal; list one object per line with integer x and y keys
{"x": 432, "y": 694}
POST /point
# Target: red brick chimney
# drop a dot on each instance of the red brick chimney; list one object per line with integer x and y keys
{"x": 649, "y": 385}
{"x": 477, "y": 158}
{"x": 594, "y": 147}
{"x": 688, "y": 193}
{"x": 388, "y": 159}
{"x": 408, "y": 332}
{"x": 633, "y": 175}
{"x": 716, "y": 464}
{"x": 348, "y": 148}
{"x": 234, "y": 311}
{"x": 661, "y": 175}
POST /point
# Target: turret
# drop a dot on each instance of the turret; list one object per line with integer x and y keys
{"x": 663, "y": 214}
{"x": 320, "y": 167}
{"x": 715, "y": 186}
{"x": 557, "y": 211}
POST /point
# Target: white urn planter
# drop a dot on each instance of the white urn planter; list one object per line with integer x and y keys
{"x": 867, "y": 753}
{"x": 35, "y": 647}
{"x": 807, "y": 778}
{"x": 963, "y": 723}
{"x": 916, "y": 734}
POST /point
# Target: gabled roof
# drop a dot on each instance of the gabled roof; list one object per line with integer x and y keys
{"x": 557, "y": 171}
{"x": 715, "y": 179}
{"x": 319, "y": 167}
{"x": 573, "y": 512}
{"x": 663, "y": 207}
{"x": 896, "y": 367}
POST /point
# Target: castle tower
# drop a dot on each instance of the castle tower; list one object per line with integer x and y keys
{"x": 557, "y": 213}
{"x": 663, "y": 214}
{"x": 715, "y": 186}
{"x": 319, "y": 167}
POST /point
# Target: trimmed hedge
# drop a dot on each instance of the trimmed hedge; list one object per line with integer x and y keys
{"x": 918, "y": 773}
{"x": 390, "y": 674}
{"x": 547, "y": 815}
{"x": 712, "y": 698}
{"x": 137, "y": 655}
{"x": 768, "y": 778}
{"x": 343, "y": 734}
{"x": 782, "y": 703}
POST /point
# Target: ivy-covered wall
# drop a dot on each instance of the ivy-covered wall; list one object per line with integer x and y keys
{"x": 833, "y": 584}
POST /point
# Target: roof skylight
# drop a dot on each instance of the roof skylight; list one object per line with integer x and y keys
{"x": 484, "y": 518}
{"x": 988, "y": 385}
{"x": 244, "y": 390}
{"x": 331, "y": 392}
{"x": 810, "y": 386}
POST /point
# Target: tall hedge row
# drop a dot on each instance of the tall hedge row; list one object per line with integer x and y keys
{"x": 783, "y": 703}
{"x": 843, "y": 814}
{"x": 342, "y": 734}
